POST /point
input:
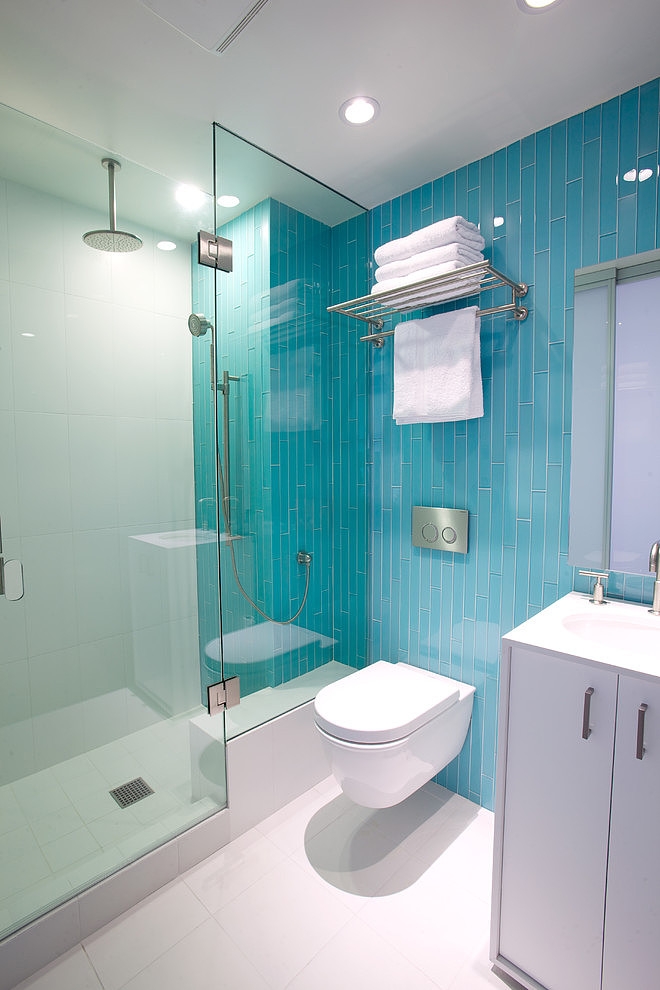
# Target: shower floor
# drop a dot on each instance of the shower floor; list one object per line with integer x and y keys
{"x": 61, "y": 830}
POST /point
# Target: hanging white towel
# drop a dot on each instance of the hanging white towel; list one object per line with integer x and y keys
{"x": 455, "y": 229}
{"x": 437, "y": 369}
{"x": 427, "y": 259}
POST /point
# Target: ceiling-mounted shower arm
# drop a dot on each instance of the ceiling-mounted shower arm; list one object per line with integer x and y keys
{"x": 111, "y": 164}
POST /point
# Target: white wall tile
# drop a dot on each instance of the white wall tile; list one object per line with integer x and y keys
{"x": 50, "y": 599}
{"x": 137, "y": 481}
{"x": 58, "y": 736}
{"x": 134, "y": 361}
{"x": 39, "y": 360}
{"x": 13, "y": 640}
{"x": 4, "y": 232}
{"x": 87, "y": 272}
{"x": 103, "y": 666}
{"x": 14, "y": 692}
{"x": 173, "y": 369}
{"x": 54, "y": 680}
{"x": 93, "y": 460}
{"x": 35, "y": 237}
{"x": 172, "y": 283}
{"x": 89, "y": 356}
{"x": 44, "y": 484}
{"x": 16, "y": 751}
{"x": 176, "y": 480}
{"x": 6, "y": 377}
{"x": 133, "y": 273}
{"x": 98, "y": 584}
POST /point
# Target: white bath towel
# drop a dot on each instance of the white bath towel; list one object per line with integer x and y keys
{"x": 418, "y": 297}
{"x": 428, "y": 259}
{"x": 437, "y": 369}
{"x": 455, "y": 229}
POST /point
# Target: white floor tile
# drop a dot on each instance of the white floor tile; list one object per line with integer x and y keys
{"x": 206, "y": 959}
{"x": 358, "y": 958}
{"x": 140, "y": 936}
{"x": 282, "y": 921}
{"x": 233, "y": 869}
{"x": 72, "y": 971}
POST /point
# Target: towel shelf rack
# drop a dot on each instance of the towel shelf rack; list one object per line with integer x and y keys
{"x": 374, "y": 308}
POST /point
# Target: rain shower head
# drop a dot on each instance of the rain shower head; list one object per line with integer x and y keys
{"x": 112, "y": 239}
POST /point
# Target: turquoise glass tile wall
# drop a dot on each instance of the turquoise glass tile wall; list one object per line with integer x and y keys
{"x": 298, "y": 467}
{"x": 563, "y": 204}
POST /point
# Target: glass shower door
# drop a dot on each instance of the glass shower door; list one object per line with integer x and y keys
{"x": 282, "y": 432}
{"x": 105, "y": 748}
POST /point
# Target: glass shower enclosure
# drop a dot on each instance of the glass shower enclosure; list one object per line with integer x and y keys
{"x": 182, "y": 498}
{"x": 100, "y": 684}
{"x": 291, "y": 393}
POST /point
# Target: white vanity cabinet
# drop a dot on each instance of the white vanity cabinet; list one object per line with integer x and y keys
{"x": 576, "y": 892}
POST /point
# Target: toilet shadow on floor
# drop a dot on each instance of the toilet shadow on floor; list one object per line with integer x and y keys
{"x": 374, "y": 852}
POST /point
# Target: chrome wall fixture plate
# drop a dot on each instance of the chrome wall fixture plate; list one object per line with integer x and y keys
{"x": 440, "y": 529}
{"x": 215, "y": 252}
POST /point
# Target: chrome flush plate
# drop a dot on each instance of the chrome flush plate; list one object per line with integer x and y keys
{"x": 440, "y": 529}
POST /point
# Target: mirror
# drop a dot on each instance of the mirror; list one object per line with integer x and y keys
{"x": 615, "y": 470}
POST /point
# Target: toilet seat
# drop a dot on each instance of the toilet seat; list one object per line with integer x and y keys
{"x": 383, "y": 702}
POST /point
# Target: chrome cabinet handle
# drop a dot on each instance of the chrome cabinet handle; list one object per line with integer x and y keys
{"x": 586, "y": 711}
{"x": 641, "y": 714}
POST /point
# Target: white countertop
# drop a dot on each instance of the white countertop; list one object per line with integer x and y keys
{"x": 619, "y": 635}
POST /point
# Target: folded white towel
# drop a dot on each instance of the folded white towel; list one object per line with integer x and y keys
{"x": 413, "y": 278}
{"x": 437, "y": 369}
{"x": 428, "y": 259}
{"x": 435, "y": 235}
{"x": 417, "y": 297}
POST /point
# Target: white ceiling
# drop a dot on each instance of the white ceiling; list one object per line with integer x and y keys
{"x": 455, "y": 80}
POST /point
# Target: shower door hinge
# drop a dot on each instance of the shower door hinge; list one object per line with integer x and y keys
{"x": 223, "y": 695}
{"x": 214, "y": 252}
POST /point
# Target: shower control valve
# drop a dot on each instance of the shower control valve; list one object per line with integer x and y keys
{"x": 303, "y": 557}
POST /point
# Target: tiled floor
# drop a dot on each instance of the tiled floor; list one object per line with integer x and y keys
{"x": 60, "y": 829}
{"x": 322, "y": 895}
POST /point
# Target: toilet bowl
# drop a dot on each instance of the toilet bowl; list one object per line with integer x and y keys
{"x": 388, "y": 729}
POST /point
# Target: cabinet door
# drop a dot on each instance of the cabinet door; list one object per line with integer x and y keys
{"x": 632, "y": 918}
{"x": 556, "y": 816}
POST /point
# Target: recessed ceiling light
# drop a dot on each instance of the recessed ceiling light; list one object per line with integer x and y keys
{"x": 536, "y": 6}
{"x": 190, "y": 197}
{"x": 630, "y": 175}
{"x": 166, "y": 245}
{"x": 25, "y": 333}
{"x": 644, "y": 174}
{"x": 359, "y": 110}
{"x": 228, "y": 201}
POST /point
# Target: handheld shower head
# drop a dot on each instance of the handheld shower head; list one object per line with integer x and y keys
{"x": 112, "y": 239}
{"x": 198, "y": 324}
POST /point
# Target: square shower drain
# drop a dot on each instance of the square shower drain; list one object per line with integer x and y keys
{"x": 131, "y": 792}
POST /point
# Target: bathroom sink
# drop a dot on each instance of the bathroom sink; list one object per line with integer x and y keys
{"x": 641, "y": 635}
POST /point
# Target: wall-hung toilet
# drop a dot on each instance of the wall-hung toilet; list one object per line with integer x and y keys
{"x": 388, "y": 729}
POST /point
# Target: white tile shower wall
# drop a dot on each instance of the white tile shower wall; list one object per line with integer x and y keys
{"x": 96, "y": 447}
{"x": 562, "y": 207}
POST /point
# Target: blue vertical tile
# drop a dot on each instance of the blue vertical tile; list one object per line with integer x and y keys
{"x": 558, "y": 166}
{"x": 627, "y": 226}
{"x": 647, "y": 204}
{"x": 590, "y": 202}
{"x": 575, "y": 140}
{"x": 542, "y": 191}
{"x": 609, "y": 167}
{"x": 628, "y": 119}
{"x": 648, "y": 118}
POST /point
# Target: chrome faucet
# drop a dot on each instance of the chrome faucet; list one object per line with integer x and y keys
{"x": 654, "y": 565}
{"x": 598, "y": 594}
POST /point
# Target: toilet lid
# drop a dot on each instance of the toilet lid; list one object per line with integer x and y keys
{"x": 383, "y": 702}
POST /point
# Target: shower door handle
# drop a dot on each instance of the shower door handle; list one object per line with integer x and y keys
{"x": 11, "y": 577}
